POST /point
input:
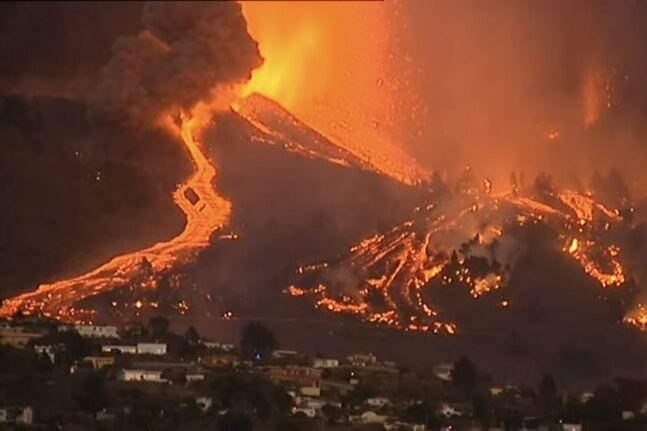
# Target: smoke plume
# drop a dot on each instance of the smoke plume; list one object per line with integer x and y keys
{"x": 185, "y": 50}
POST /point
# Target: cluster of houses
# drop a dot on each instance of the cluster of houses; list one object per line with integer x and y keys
{"x": 316, "y": 385}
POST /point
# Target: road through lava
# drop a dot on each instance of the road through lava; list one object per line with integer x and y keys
{"x": 205, "y": 211}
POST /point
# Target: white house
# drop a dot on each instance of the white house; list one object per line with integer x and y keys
{"x": 227, "y": 347}
{"x": 18, "y": 415}
{"x": 194, "y": 376}
{"x": 151, "y": 348}
{"x": 448, "y": 411}
{"x": 97, "y": 331}
{"x": 46, "y": 349}
{"x": 368, "y": 417}
{"x": 308, "y": 412}
{"x": 399, "y": 426}
{"x": 378, "y": 402}
{"x": 310, "y": 391}
{"x": 444, "y": 371}
{"x": 362, "y": 359}
{"x": 204, "y": 403}
{"x": 284, "y": 354}
{"x": 141, "y": 376}
{"x": 119, "y": 348}
{"x": 325, "y": 363}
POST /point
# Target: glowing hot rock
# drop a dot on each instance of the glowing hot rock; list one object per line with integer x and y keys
{"x": 205, "y": 211}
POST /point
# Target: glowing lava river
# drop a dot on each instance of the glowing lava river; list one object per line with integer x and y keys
{"x": 205, "y": 212}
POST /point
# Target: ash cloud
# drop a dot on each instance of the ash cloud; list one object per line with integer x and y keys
{"x": 186, "y": 50}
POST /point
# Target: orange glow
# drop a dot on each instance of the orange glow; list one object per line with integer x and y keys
{"x": 573, "y": 247}
{"x": 325, "y": 62}
{"x": 597, "y": 95}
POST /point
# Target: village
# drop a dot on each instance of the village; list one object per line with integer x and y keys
{"x": 143, "y": 376}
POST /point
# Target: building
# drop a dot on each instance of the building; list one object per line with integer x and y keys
{"x": 226, "y": 347}
{"x": 305, "y": 411}
{"x": 18, "y": 336}
{"x": 378, "y": 402}
{"x": 134, "y": 375}
{"x": 362, "y": 359}
{"x": 17, "y": 415}
{"x": 341, "y": 387}
{"x": 219, "y": 361}
{"x": 403, "y": 426}
{"x": 119, "y": 348}
{"x": 448, "y": 411}
{"x": 310, "y": 391}
{"x": 48, "y": 350}
{"x": 368, "y": 417}
{"x": 95, "y": 331}
{"x": 151, "y": 348}
{"x": 444, "y": 371}
{"x": 301, "y": 376}
{"x": 99, "y": 362}
{"x": 325, "y": 363}
{"x": 194, "y": 376}
{"x": 204, "y": 403}
{"x": 284, "y": 354}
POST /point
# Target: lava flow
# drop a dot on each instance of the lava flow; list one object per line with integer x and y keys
{"x": 465, "y": 239}
{"x": 205, "y": 210}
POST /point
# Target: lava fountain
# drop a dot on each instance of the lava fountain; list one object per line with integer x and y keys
{"x": 329, "y": 64}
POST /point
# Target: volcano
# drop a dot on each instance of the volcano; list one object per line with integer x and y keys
{"x": 369, "y": 257}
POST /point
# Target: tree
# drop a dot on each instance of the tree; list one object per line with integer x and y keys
{"x": 191, "y": 335}
{"x": 604, "y": 406}
{"x": 332, "y": 413}
{"x": 464, "y": 374}
{"x": 93, "y": 396}
{"x": 547, "y": 392}
{"x": 257, "y": 342}
{"x": 76, "y": 347}
{"x": 43, "y": 363}
{"x": 232, "y": 421}
{"x": 158, "y": 326}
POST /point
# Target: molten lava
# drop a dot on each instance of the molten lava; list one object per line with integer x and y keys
{"x": 205, "y": 210}
{"x": 387, "y": 278}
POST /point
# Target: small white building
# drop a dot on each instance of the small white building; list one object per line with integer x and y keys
{"x": 204, "y": 403}
{"x": 448, "y": 411}
{"x": 325, "y": 363}
{"x": 368, "y": 417}
{"x": 227, "y": 347}
{"x": 310, "y": 391}
{"x": 308, "y": 412}
{"x": 362, "y": 359}
{"x": 119, "y": 348}
{"x": 126, "y": 375}
{"x": 151, "y": 348}
{"x": 284, "y": 354}
{"x": 17, "y": 415}
{"x": 97, "y": 331}
{"x": 444, "y": 371}
{"x": 194, "y": 376}
{"x": 50, "y": 351}
{"x": 378, "y": 402}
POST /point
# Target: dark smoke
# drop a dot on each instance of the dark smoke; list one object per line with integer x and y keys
{"x": 186, "y": 50}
